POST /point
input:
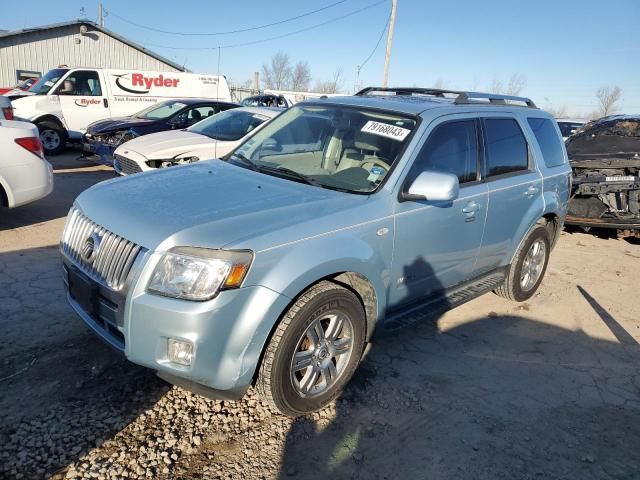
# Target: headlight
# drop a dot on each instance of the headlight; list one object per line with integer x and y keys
{"x": 199, "y": 273}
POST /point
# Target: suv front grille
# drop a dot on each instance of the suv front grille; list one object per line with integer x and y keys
{"x": 99, "y": 253}
{"x": 126, "y": 165}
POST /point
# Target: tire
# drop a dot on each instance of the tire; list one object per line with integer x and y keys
{"x": 298, "y": 391}
{"x": 53, "y": 136}
{"x": 515, "y": 287}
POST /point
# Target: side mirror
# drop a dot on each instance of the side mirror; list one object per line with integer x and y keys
{"x": 435, "y": 186}
{"x": 178, "y": 122}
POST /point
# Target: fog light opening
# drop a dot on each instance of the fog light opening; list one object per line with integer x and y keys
{"x": 179, "y": 352}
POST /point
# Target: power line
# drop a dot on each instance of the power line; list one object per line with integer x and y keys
{"x": 229, "y": 32}
{"x": 386, "y": 24}
{"x": 312, "y": 27}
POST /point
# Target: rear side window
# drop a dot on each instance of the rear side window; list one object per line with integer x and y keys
{"x": 506, "y": 147}
{"x": 549, "y": 141}
{"x": 451, "y": 148}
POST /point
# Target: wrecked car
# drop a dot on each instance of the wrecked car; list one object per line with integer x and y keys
{"x": 104, "y": 136}
{"x": 605, "y": 159}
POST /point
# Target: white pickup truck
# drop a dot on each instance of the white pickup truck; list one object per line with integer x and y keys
{"x": 25, "y": 176}
{"x": 67, "y": 100}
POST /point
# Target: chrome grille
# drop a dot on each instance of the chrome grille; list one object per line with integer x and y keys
{"x": 112, "y": 258}
{"x": 126, "y": 165}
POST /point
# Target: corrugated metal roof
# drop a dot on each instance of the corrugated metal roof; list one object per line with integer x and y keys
{"x": 11, "y": 33}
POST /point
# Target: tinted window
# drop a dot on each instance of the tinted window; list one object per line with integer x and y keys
{"x": 569, "y": 128}
{"x": 548, "y": 140}
{"x": 451, "y": 148}
{"x": 506, "y": 147}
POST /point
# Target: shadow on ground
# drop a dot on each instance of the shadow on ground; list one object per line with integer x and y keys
{"x": 501, "y": 397}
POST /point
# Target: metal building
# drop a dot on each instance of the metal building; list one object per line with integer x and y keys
{"x": 31, "y": 52}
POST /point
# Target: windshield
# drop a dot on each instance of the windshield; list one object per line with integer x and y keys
{"x": 49, "y": 80}
{"x": 230, "y": 125}
{"x": 568, "y": 128}
{"x": 337, "y": 147}
{"x": 162, "y": 110}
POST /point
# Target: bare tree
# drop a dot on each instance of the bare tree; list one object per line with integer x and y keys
{"x": 516, "y": 84}
{"x": 559, "y": 112}
{"x": 440, "y": 84}
{"x": 277, "y": 75}
{"x": 497, "y": 86}
{"x": 607, "y": 99}
{"x": 331, "y": 86}
{"x": 301, "y": 77}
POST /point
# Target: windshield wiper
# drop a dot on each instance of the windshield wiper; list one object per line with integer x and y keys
{"x": 244, "y": 160}
{"x": 292, "y": 173}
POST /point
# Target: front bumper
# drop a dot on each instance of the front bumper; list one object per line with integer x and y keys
{"x": 227, "y": 333}
{"x": 97, "y": 151}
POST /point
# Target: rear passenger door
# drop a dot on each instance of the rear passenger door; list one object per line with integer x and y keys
{"x": 515, "y": 190}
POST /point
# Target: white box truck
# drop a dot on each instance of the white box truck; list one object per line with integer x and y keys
{"x": 67, "y": 100}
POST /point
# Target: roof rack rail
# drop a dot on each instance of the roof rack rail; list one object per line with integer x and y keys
{"x": 462, "y": 98}
{"x": 493, "y": 98}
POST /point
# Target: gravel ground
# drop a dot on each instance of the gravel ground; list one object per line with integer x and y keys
{"x": 545, "y": 389}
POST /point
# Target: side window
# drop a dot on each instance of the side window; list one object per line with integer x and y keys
{"x": 506, "y": 147}
{"x": 451, "y": 148}
{"x": 194, "y": 115}
{"x": 84, "y": 83}
{"x": 549, "y": 141}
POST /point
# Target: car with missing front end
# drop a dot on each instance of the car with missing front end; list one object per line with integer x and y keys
{"x": 341, "y": 217}
{"x": 104, "y": 136}
{"x": 605, "y": 158}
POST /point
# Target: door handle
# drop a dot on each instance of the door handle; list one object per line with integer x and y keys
{"x": 106, "y": 103}
{"x": 471, "y": 208}
{"x": 531, "y": 191}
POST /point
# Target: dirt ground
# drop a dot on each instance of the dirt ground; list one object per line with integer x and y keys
{"x": 545, "y": 389}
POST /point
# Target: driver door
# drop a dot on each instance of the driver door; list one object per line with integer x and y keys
{"x": 437, "y": 243}
{"x": 84, "y": 103}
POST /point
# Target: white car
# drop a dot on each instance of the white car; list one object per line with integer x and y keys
{"x": 25, "y": 176}
{"x": 569, "y": 126}
{"x": 213, "y": 137}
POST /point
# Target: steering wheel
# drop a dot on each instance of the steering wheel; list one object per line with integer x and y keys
{"x": 367, "y": 165}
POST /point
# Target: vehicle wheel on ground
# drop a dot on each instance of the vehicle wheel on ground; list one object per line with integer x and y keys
{"x": 529, "y": 265}
{"x": 53, "y": 136}
{"x": 314, "y": 350}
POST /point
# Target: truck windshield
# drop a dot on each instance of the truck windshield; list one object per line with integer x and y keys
{"x": 230, "y": 125}
{"x": 50, "y": 78}
{"x": 160, "y": 111}
{"x": 333, "y": 146}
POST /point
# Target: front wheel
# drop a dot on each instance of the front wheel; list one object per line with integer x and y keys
{"x": 529, "y": 265}
{"x": 314, "y": 350}
{"x": 53, "y": 137}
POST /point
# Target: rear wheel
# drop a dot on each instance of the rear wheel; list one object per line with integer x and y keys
{"x": 53, "y": 136}
{"x": 314, "y": 350}
{"x": 525, "y": 274}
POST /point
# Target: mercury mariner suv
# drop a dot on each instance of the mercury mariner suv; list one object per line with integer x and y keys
{"x": 273, "y": 267}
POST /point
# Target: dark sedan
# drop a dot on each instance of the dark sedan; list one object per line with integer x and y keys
{"x": 104, "y": 136}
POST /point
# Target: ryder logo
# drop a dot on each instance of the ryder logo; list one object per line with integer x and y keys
{"x": 85, "y": 102}
{"x": 143, "y": 83}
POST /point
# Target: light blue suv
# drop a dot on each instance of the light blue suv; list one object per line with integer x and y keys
{"x": 274, "y": 266}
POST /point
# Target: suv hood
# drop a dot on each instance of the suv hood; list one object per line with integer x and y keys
{"x": 162, "y": 145}
{"x": 214, "y": 204}
{"x": 115, "y": 124}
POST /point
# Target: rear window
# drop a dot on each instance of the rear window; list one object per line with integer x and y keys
{"x": 506, "y": 147}
{"x": 548, "y": 140}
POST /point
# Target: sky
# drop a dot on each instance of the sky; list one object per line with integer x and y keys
{"x": 565, "y": 51}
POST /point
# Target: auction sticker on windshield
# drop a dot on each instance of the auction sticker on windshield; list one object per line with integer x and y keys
{"x": 386, "y": 130}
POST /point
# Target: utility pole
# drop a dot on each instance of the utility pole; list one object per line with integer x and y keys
{"x": 100, "y": 15}
{"x": 387, "y": 57}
